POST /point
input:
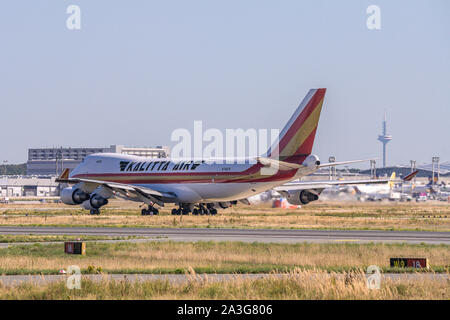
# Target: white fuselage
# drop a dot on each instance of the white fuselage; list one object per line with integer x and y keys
{"x": 190, "y": 181}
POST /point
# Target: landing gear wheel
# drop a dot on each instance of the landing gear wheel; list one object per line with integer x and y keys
{"x": 185, "y": 212}
{"x": 213, "y": 211}
{"x": 150, "y": 211}
{"x": 178, "y": 212}
{"x": 195, "y": 212}
{"x": 202, "y": 211}
{"x": 174, "y": 211}
{"x": 95, "y": 211}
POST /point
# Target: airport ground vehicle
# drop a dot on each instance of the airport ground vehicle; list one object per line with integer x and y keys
{"x": 421, "y": 198}
{"x": 5, "y": 200}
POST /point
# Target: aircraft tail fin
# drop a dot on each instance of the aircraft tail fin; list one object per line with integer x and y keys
{"x": 64, "y": 176}
{"x": 297, "y": 137}
{"x": 410, "y": 176}
{"x": 391, "y": 180}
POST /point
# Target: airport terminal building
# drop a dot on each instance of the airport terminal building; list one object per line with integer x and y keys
{"x": 52, "y": 161}
{"x": 28, "y": 187}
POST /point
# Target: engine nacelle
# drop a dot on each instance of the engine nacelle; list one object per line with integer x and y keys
{"x": 302, "y": 197}
{"x": 87, "y": 205}
{"x": 312, "y": 161}
{"x": 224, "y": 205}
{"x": 97, "y": 201}
{"x": 307, "y": 196}
{"x": 99, "y": 198}
{"x": 72, "y": 196}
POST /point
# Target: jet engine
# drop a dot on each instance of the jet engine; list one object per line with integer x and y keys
{"x": 72, "y": 196}
{"x": 312, "y": 161}
{"x": 224, "y": 205}
{"x": 95, "y": 202}
{"x": 302, "y": 197}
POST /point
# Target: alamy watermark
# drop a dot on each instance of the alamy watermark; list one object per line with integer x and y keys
{"x": 373, "y": 21}
{"x": 73, "y": 22}
{"x": 235, "y": 146}
{"x": 74, "y": 279}
{"x": 373, "y": 277}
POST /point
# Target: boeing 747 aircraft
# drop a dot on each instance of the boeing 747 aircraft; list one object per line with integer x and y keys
{"x": 199, "y": 186}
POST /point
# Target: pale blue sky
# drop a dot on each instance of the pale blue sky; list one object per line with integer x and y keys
{"x": 137, "y": 70}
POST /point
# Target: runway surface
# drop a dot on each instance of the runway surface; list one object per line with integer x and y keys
{"x": 14, "y": 280}
{"x": 247, "y": 235}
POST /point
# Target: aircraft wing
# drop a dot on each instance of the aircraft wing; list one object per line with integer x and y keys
{"x": 332, "y": 164}
{"x": 283, "y": 165}
{"x": 133, "y": 192}
{"x": 303, "y": 185}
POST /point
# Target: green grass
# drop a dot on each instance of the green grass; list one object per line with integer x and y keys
{"x": 262, "y": 269}
{"x": 319, "y": 216}
{"x": 170, "y": 257}
{"x": 298, "y": 285}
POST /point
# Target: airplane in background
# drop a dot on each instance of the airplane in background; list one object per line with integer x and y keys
{"x": 303, "y": 192}
{"x": 199, "y": 186}
{"x": 384, "y": 191}
{"x": 416, "y": 188}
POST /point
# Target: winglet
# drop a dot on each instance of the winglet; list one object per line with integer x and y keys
{"x": 64, "y": 176}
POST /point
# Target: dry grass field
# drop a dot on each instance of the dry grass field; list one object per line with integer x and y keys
{"x": 295, "y": 285}
{"x": 311, "y": 269}
{"x": 56, "y": 238}
{"x": 214, "y": 257}
{"x": 430, "y": 216}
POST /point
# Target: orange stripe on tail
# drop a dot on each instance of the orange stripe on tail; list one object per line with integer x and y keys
{"x": 410, "y": 176}
{"x": 64, "y": 175}
{"x": 297, "y": 137}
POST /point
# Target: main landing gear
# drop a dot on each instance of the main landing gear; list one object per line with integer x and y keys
{"x": 150, "y": 211}
{"x": 179, "y": 212}
{"x": 201, "y": 209}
